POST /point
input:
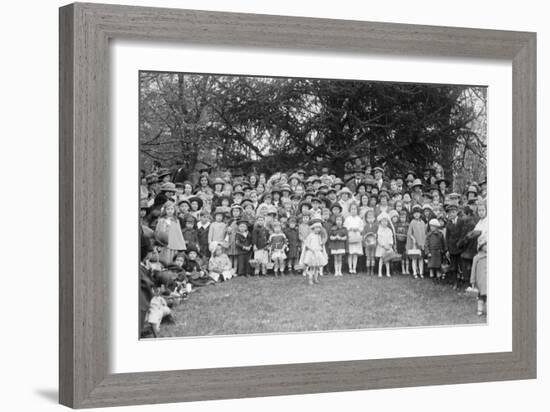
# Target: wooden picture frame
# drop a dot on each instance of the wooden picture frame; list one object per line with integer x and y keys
{"x": 85, "y": 31}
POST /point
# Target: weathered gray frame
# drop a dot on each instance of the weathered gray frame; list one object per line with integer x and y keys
{"x": 85, "y": 30}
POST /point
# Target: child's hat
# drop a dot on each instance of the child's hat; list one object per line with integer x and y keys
{"x": 196, "y": 199}
{"x": 417, "y": 208}
{"x": 315, "y": 223}
{"x": 345, "y": 189}
{"x": 247, "y": 202}
{"x": 271, "y": 210}
{"x": 434, "y": 222}
{"x": 242, "y": 222}
{"x": 417, "y": 183}
{"x": 393, "y": 213}
{"x": 220, "y": 211}
{"x": 192, "y": 248}
{"x": 427, "y": 206}
{"x": 163, "y": 172}
{"x": 472, "y": 189}
{"x": 168, "y": 187}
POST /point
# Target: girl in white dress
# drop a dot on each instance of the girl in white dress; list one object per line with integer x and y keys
{"x": 314, "y": 255}
{"x": 354, "y": 224}
{"x": 385, "y": 242}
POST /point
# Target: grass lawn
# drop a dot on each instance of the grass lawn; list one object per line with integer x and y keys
{"x": 289, "y": 304}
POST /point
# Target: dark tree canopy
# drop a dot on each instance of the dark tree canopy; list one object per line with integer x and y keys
{"x": 280, "y": 124}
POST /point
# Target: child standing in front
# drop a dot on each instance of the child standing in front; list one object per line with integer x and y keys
{"x": 303, "y": 231}
{"x": 314, "y": 255}
{"x": 401, "y": 229}
{"x": 384, "y": 244}
{"x": 291, "y": 233}
{"x": 416, "y": 239}
{"x": 260, "y": 236}
{"x": 337, "y": 243}
{"x": 277, "y": 245}
{"x": 243, "y": 248}
{"x": 369, "y": 241}
{"x": 435, "y": 248}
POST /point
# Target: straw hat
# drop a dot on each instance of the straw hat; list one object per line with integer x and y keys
{"x": 434, "y": 222}
{"x": 168, "y": 187}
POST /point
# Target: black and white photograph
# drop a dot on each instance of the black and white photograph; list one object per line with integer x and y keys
{"x": 284, "y": 205}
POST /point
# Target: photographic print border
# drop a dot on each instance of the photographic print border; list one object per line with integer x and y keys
{"x": 85, "y": 32}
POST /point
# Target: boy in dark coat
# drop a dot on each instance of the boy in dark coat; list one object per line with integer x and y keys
{"x": 453, "y": 233}
{"x": 203, "y": 227}
{"x": 190, "y": 233}
{"x": 435, "y": 248}
{"x": 243, "y": 243}
{"x": 294, "y": 248}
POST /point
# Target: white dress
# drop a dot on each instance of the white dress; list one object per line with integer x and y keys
{"x": 354, "y": 223}
{"x": 385, "y": 238}
{"x": 313, "y": 252}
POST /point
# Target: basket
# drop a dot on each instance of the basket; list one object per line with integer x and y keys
{"x": 414, "y": 252}
{"x": 391, "y": 256}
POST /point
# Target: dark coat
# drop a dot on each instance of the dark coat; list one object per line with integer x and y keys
{"x": 191, "y": 237}
{"x": 293, "y": 242}
{"x": 468, "y": 246}
{"x": 435, "y": 247}
{"x": 453, "y": 235}
{"x": 243, "y": 243}
{"x": 259, "y": 237}
{"x": 202, "y": 234}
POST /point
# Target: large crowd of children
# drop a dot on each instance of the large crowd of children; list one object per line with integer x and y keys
{"x": 230, "y": 224}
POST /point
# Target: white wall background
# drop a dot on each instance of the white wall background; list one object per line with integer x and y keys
{"x": 28, "y": 363}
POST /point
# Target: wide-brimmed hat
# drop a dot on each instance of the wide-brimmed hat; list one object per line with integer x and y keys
{"x": 220, "y": 210}
{"x": 295, "y": 176}
{"x": 336, "y": 204}
{"x": 242, "y": 222}
{"x": 196, "y": 199}
{"x": 434, "y": 222}
{"x": 271, "y": 210}
{"x": 168, "y": 187}
{"x": 417, "y": 208}
{"x": 345, "y": 189}
{"x": 417, "y": 182}
{"x": 427, "y": 206}
{"x": 378, "y": 169}
{"x": 247, "y": 202}
{"x": 163, "y": 172}
{"x": 285, "y": 188}
{"x": 439, "y": 181}
{"x": 313, "y": 223}
{"x": 393, "y": 213}
{"x": 472, "y": 189}
{"x": 218, "y": 181}
{"x": 192, "y": 248}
